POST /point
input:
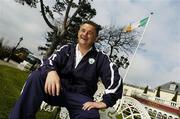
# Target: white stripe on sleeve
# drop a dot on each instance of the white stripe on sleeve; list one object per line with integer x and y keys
{"x": 108, "y": 90}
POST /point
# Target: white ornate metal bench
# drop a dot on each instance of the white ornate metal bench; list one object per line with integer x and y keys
{"x": 126, "y": 108}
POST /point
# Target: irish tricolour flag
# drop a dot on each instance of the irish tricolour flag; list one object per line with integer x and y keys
{"x": 132, "y": 26}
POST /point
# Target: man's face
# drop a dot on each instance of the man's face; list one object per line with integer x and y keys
{"x": 86, "y": 35}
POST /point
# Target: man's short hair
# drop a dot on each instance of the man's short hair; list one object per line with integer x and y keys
{"x": 97, "y": 27}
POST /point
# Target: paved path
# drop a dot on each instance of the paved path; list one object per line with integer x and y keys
{"x": 10, "y": 63}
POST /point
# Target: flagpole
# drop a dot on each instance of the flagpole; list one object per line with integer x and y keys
{"x": 119, "y": 107}
{"x": 137, "y": 46}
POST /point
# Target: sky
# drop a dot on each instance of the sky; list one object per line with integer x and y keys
{"x": 155, "y": 63}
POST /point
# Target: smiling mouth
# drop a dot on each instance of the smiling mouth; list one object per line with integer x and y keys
{"x": 84, "y": 38}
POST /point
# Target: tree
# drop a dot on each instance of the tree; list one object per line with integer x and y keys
{"x": 13, "y": 50}
{"x": 145, "y": 90}
{"x": 158, "y": 91}
{"x": 113, "y": 40}
{"x": 1, "y": 42}
{"x": 64, "y": 29}
{"x": 49, "y": 36}
{"x": 4, "y": 49}
{"x": 175, "y": 97}
{"x": 71, "y": 14}
{"x": 116, "y": 40}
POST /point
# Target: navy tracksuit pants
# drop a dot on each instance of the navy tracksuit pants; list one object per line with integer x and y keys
{"x": 33, "y": 94}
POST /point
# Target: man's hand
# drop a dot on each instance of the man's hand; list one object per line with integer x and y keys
{"x": 90, "y": 105}
{"x": 52, "y": 84}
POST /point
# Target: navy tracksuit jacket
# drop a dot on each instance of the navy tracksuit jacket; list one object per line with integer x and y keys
{"x": 78, "y": 84}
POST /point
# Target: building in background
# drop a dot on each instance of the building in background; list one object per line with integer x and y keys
{"x": 162, "y": 102}
{"x": 31, "y": 62}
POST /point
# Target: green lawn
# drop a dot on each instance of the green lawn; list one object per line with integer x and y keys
{"x": 11, "y": 83}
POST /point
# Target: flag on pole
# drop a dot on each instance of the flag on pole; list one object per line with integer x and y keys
{"x": 135, "y": 25}
{"x": 143, "y": 24}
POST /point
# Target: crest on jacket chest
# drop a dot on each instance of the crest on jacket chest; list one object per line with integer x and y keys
{"x": 91, "y": 60}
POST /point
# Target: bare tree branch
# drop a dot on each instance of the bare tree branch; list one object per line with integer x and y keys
{"x": 44, "y": 16}
{"x": 66, "y": 14}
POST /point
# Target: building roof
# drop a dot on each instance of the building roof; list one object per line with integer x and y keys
{"x": 25, "y": 50}
{"x": 139, "y": 87}
{"x": 170, "y": 87}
